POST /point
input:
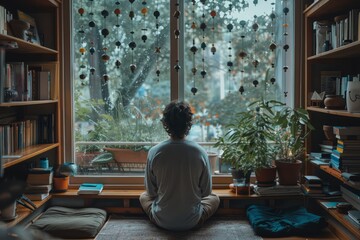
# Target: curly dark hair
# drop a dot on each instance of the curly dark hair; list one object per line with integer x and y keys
{"x": 177, "y": 119}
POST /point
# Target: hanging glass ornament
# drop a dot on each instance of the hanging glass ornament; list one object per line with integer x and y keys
{"x": 272, "y": 80}
{"x": 81, "y": 11}
{"x": 156, "y": 14}
{"x": 82, "y": 50}
{"x": 105, "y": 57}
{"x": 255, "y": 82}
{"x": 105, "y": 13}
{"x": 213, "y": 15}
{"x": 91, "y": 24}
{"x": 194, "y": 90}
{"x": 241, "y": 90}
{"x": 272, "y": 46}
{"x": 105, "y": 77}
{"x": 132, "y": 45}
{"x": 132, "y": 67}
{"x": 105, "y": 32}
{"x": 82, "y": 76}
{"x": 92, "y": 71}
{"x": 117, "y": 63}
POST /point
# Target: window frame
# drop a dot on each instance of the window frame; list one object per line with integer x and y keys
{"x": 176, "y": 92}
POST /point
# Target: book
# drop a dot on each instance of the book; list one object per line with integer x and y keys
{"x": 39, "y": 178}
{"x": 37, "y": 196}
{"x": 354, "y": 215}
{"x": 38, "y": 188}
{"x": 44, "y": 84}
{"x": 41, "y": 170}
{"x": 90, "y": 188}
{"x": 330, "y": 205}
{"x": 310, "y": 179}
{"x": 346, "y": 130}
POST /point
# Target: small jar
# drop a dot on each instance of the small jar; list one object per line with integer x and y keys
{"x": 334, "y": 102}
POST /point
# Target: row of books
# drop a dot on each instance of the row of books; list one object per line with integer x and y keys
{"x": 334, "y": 84}
{"x": 29, "y": 81}
{"x": 21, "y": 134}
{"x": 5, "y": 16}
{"x": 336, "y": 32}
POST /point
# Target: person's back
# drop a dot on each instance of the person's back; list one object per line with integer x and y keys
{"x": 177, "y": 178}
{"x": 178, "y": 167}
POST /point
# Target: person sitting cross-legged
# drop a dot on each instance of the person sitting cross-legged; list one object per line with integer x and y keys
{"x": 177, "y": 176}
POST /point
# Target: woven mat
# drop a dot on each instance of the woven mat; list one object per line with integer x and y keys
{"x": 120, "y": 227}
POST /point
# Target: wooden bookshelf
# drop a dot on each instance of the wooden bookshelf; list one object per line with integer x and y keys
{"x": 340, "y": 217}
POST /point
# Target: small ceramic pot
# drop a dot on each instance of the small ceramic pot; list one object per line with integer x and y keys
{"x": 334, "y": 102}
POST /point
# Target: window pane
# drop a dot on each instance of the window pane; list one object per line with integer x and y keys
{"x": 229, "y": 61}
{"x": 120, "y": 76}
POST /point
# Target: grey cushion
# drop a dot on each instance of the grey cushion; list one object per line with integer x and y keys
{"x": 66, "y": 222}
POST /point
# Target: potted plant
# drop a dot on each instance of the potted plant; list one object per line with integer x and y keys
{"x": 62, "y": 176}
{"x": 291, "y": 126}
{"x": 246, "y": 144}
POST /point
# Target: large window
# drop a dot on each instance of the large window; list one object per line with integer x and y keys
{"x": 131, "y": 58}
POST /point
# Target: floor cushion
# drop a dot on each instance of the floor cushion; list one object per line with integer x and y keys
{"x": 295, "y": 221}
{"x": 66, "y": 222}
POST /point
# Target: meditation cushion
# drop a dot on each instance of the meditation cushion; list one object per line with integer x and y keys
{"x": 270, "y": 222}
{"x": 66, "y": 222}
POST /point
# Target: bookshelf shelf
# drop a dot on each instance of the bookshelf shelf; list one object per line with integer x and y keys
{"x": 26, "y": 47}
{"x": 28, "y": 153}
{"x": 27, "y": 103}
{"x": 341, "y": 218}
{"x": 347, "y": 51}
{"x": 323, "y": 8}
{"x": 343, "y": 113}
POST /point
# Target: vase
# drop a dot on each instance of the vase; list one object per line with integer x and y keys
{"x": 353, "y": 96}
{"x": 241, "y": 181}
{"x": 61, "y": 184}
{"x": 334, "y": 102}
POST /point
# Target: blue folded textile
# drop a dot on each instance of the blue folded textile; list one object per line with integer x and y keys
{"x": 271, "y": 222}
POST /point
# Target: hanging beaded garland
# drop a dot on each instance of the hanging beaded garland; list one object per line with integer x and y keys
{"x": 82, "y": 49}
{"x": 132, "y": 44}
{"x": 117, "y": 12}
{"x": 255, "y": 61}
{"x": 157, "y": 47}
{"x": 176, "y": 15}
{"x": 193, "y": 49}
{"x": 273, "y": 45}
{"x": 242, "y": 56}
{"x": 144, "y": 11}
{"x": 203, "y": 44}
{"x": 285, "y": 45}
{"x": 213, "y": 15}
{"x": 230, "y": 63}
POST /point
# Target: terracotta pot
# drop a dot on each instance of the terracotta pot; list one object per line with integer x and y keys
{"x": 266, "y": 175}
{"x": 127, "y": 155}
{"x": 61, "y": 184}
{"x": 289, "y": 173}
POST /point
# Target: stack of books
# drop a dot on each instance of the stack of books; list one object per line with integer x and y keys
{"x": 39, "y": 183}
{"x": 346, "y": 156}
{"x": 278, "y": 190}
{"x": 313, "y": 186}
